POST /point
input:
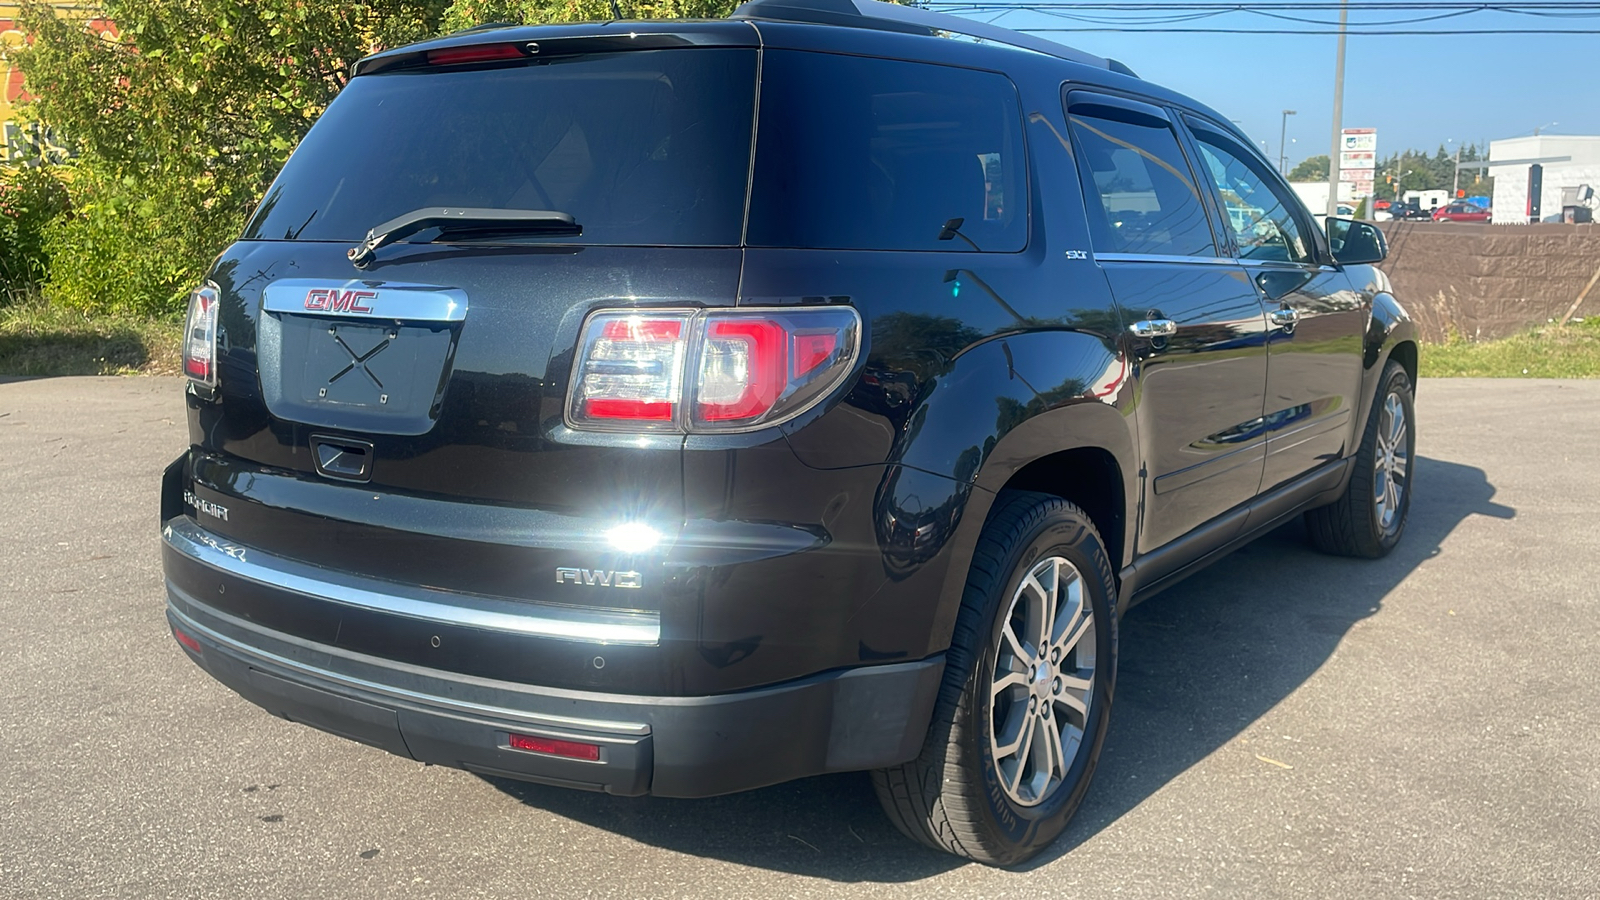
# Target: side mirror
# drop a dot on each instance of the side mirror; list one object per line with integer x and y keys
{"x": 1356, "y": 243}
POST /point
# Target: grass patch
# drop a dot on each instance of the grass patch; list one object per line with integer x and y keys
{"x": 39, "y": 339}
{"x": 1545, "y": 351}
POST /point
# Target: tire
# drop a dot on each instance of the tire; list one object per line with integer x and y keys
{"x": 955, "y": 796}
{"x": 1368, "y": 520}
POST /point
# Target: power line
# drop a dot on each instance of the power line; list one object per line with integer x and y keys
{"x": 1186, "y": 5}
{"x": 1133, "y": 16}
{"x": 1353, "y": 31}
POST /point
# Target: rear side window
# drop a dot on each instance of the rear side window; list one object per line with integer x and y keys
{"x": 872, "y": 154}
{"x": 643, "y": 147}
{"x": 1142, "y": 197}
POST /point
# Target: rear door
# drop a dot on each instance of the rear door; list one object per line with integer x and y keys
{"x": 1199, "y": 331}
{"x": 1315, "y": 315}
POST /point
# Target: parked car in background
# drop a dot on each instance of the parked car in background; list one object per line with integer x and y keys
{"x": 693, "y": 406}
{"x": 1409, "y": 211}
{"x": 1460, "y": 211}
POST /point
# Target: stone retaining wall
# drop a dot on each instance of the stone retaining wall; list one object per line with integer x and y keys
{"x": 1488, "y": 281}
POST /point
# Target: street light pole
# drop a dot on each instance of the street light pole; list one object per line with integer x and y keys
{"x": 1283, "y": 143}
{"x": 1338, "y": 113}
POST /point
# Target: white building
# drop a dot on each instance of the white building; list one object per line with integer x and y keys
{"x": 1580, "y": 166}
{"x": 1314, "y": 194}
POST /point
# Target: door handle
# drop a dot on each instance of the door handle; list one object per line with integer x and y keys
{"x": 1154, "y": 328}
{"x": 1286, "y": 317}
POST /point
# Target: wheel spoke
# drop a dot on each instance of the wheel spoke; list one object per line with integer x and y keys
{"x": 1398, "y": 468}
{"x": 1397, "y": 420}
{"x": 1077, "y": 699}
{"x": 1037, "y": 614}
{"x": 1010, "y": 643}
{"x": 1024, "y": 751}
{"x": 1009, "y": 680}
{"x": 1070, "y": 642}
{"x": 1018, "y": 743}
{"x": 1055, "y": 754}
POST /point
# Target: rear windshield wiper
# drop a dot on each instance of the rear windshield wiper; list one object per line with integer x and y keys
{"x": 462, "y": 221}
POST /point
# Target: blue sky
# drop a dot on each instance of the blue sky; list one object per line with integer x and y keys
{"x": 1418, "y": 91}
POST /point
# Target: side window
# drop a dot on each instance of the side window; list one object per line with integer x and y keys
{"x": 1262, "y": 220}
{"x": 1147, "y": 198}
{"x": 873, "y": 154}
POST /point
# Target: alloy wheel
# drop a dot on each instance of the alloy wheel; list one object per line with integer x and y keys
{"x": 1391, "y": 463}
{"x": 1042, "y": 686}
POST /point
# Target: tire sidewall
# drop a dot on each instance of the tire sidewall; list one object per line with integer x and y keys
{"x": 1066, "y": 534}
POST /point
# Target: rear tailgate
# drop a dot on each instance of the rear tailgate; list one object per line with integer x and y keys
{"x": 404, "y": 421}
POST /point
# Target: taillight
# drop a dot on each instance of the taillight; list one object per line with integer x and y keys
{"x": 200, "y": 337}
{"x": 631, "y": 371}
{"x": 708, "y": 371}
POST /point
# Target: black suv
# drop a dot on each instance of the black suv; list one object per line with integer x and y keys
{"x": 682, "y": 407}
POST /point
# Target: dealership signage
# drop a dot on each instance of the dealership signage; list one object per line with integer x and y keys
{"x": 1358, "y": 158}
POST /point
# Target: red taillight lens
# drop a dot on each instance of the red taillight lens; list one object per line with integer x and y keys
{"x": 200, "y": 337}
{"x": 708, "y": 371}
{"x": 744, "y": 366}
{"x": 450, "y": 56}
{"x": 188, "y": 641}
{"x": 554, "y": 747}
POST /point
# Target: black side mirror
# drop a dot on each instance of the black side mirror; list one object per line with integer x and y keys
{"x": 1356, "y": 243}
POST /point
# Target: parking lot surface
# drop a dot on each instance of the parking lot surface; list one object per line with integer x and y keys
{"x": 1286, "y": 724}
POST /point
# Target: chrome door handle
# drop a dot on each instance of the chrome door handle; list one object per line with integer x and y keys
{"x": 1154, "y": 328}
{"x": 1285, "y": 317}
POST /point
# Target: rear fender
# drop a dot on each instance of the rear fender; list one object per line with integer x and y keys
{"x": 1389, "y": 327}
{"x": 1005, "y": 403}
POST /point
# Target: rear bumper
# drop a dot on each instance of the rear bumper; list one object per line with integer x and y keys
{"x": 844, "y": 720}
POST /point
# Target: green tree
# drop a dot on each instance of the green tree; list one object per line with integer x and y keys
{"x": 181, "y": 121}
{"x": 467, "y": 13}
{"x": 1312, "y": 169}
{"x": 183, "y": 117}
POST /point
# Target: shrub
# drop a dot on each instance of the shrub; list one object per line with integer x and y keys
{"x": 30, "y": 198}
{"x": 133, "y": 245}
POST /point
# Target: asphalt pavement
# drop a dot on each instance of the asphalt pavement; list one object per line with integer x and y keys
{"x": 1286, "y": 724}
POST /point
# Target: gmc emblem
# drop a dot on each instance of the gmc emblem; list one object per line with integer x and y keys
{"x": 335, "y": 300}
{"x": 597, "y": 578}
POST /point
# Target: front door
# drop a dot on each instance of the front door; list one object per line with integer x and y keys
{"x": 1317, "y": 318}
{"x": 1197, "y": 325}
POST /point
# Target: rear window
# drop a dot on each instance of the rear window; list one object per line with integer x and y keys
{"x": 871, "y": 154}
{"x": 644, "y": 147}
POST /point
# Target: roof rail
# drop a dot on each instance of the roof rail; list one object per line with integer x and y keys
{"x": 911, "y": 20}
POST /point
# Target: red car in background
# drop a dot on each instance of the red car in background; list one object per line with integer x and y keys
{"x": 1461, "y": 211}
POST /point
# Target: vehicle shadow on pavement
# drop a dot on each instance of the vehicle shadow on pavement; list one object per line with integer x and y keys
{"x": 1202, "y": 661}
{"x": 1199, "y": 664}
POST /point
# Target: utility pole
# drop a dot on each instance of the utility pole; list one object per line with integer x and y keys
{"x": 1338, "y": 113}
{"x": 1283, "y": 143}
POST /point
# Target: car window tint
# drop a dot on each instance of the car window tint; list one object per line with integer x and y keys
{"x": 873, "y": 154}
{"x": 1261, "y": 218}
{"x": 641, "y": 147}
{"x": 1147, "y": 199}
